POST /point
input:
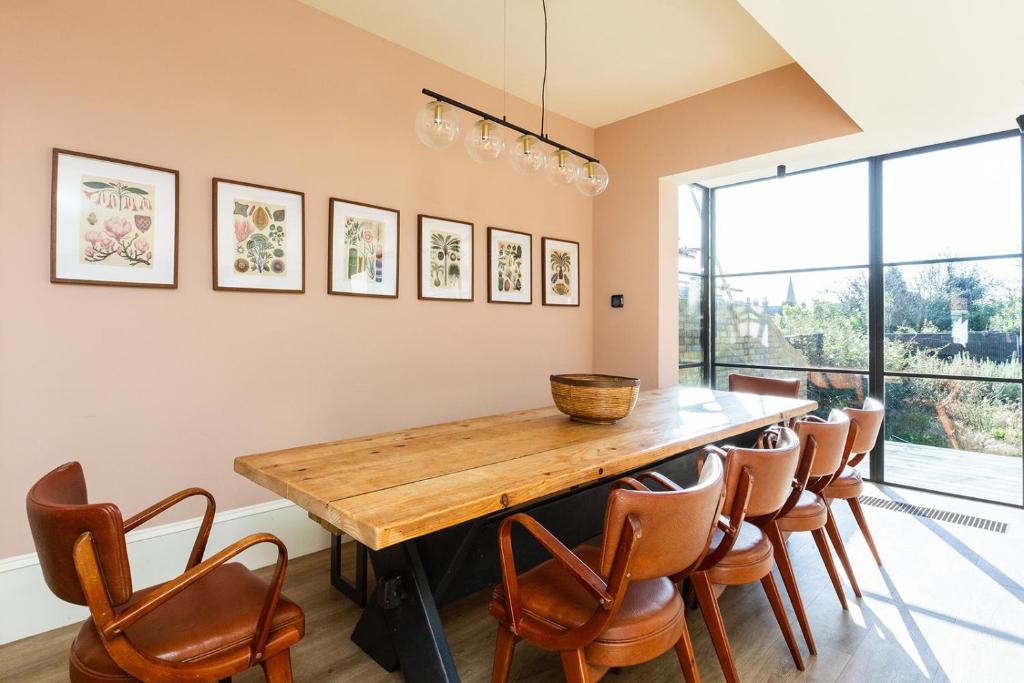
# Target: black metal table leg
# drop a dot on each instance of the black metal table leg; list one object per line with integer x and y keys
{"x": 354, "y": 591}
{"x": 400, "y": 627}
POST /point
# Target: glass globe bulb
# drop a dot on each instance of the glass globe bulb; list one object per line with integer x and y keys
{"x": 437, "y": 125}
{"x": 592, "y": 180}
{"x": 528, "y": 155}
{"x": 563, "y": 168}
{"x": 483, "y": 143}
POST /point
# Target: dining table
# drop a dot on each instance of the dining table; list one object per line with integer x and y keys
{"x": 423, "y": 504}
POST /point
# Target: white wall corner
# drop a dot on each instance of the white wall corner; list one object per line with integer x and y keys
{"x": 157, "y": 554}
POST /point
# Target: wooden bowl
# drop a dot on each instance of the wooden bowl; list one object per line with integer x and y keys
{"x": 597, "y": 399}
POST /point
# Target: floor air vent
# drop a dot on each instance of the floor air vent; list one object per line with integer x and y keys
{"x": 937, "y": 515}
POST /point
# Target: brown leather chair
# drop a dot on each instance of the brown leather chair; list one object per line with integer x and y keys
{"x": 765, "y": 386}
{"x": 834, "y": 438}
{"x": 614, "y": 605}
{"x": 848, "y": 484}
{"x": 759, "y": 483}
{"x": 215, "y": 620}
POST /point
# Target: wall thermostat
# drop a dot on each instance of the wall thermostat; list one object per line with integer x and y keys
{"x": 617, "y": 301}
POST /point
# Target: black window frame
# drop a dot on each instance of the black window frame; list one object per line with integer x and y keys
{"x": 876, "y": 371}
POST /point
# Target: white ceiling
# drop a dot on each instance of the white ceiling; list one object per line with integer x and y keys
{"x": 908, "y": 72}
{"x": 608, "y": 59}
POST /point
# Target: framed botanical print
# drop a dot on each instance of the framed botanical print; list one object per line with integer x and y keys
{"x": 560, "y": 283}
{"x": 445, "y": 259}
{"x": 113, "y": 222}
{"x": 509, "y": 266}
{"x": 258, "y": 238}
{"x": 362, "y": 250}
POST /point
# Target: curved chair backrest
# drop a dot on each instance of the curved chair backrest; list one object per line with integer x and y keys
{"x": 771, "y": 468}
{"x": 869, "y": 423}
{"x": 830, "y": 438}
{"x": 675, "y": 526}
{"x": 765, "y": 386}
{"x": 58, "y": 514}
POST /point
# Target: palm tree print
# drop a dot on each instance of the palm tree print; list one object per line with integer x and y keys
{"x": 561, "y": 264}
{"x": 446, "y": 252}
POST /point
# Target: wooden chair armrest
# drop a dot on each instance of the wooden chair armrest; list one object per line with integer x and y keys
{"x": 576, "y": 567}
{"x": 803, "y": 473}
{"x": 811, "y": 418}
{"x": 856, "y": 459}
{"x": 166, "y": 591}
{"x": 731, "y": 529}
{"x": 661, "y": 479}
{"x": 203, "y": 535}
{"x": 851, "y": 437}
{"x": 629, "y": 483}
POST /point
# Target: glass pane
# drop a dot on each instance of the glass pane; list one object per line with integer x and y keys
{"x": 691, "y": 317}
{"x": 962, "y": 201}
{"x": 801, "y": 221}
{"x": 691, "y": 377}
{"x": 955, "y": 437}
{"x": 954, "y": 318}
{"x": 691, "y": 202}
{"x": 802, "y": 320}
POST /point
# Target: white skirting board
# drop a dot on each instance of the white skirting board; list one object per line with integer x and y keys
{"x": 157, "y": 554}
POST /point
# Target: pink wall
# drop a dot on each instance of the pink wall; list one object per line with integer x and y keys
{"x": 634, "y": 252}
{"x": 151, "y": 389}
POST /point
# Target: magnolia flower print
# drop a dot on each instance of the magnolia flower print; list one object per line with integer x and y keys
{"x": 115, "y": 216}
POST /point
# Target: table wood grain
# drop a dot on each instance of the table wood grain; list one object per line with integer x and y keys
{"x": 392, "y": 487}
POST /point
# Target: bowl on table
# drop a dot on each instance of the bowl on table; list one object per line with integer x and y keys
{"x": 597, "y": 399}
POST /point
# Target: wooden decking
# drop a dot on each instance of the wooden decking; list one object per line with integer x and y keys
{"x": 998, "y": 478}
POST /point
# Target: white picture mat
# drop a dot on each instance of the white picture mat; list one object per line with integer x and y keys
{"x": 573, "y": 297}
{"x": 492, "y": 253}
{"x": 339, "y": 262}
{"x": 227, "y": 194}
{"x": 427, "y": 288}
{"x": 70, "y": 169}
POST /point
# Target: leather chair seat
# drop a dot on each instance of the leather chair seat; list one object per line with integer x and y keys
{"x": 808, "y": 514}
{"x": 217, "y": 613}
{"x": 650, "y": 620}
{"x": 847, "y": 485}
{"x": 749, "y": 559}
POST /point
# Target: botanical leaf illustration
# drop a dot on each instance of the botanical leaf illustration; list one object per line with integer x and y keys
{"x": 97, "y": 185}
{"x": 241, "y": 209}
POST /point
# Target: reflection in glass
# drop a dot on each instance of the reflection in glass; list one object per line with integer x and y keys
{"x": 691, "y": 202}
{"x": 800, "y": 320}
{"x": 807, "y": 220}
{"x": 691, "y": 317}
{"x": 960, "y": 201}
{"x": 691, "y": 377}
{"x": 954, "y": 318}
{"x": 954, "y": 436}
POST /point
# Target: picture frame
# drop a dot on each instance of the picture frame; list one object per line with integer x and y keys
{"x": 112, "y": 222}
{"x": 367, "y": 239}
{"x": 560, "y": 272}
{"x": 259, "y": 238}
{"x": 509, "y": 266}
{"x": 445, "y": 258}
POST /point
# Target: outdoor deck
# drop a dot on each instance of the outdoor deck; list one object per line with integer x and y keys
{"x": 979, "y": 475}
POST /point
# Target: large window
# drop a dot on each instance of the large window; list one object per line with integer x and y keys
{"x": 898, "y": 276}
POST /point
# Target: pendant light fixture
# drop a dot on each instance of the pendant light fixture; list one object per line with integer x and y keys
{"x": 437, "y": 126}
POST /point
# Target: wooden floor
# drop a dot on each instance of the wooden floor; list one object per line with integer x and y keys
{"x": 963, "y": 473}
{"x": 947, "y": 606}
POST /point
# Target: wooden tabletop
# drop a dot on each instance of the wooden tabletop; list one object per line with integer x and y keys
{"x": 388, "y": 488}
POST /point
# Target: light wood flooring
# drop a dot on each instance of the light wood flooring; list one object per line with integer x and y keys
{"x": 948, "y": 605}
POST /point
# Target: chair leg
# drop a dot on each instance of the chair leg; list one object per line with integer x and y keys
{"x": 716, "y": 627}
{"x": 789, "y": 581}
{"x": 837, "y": 543}
{"x": 780, "y": 615}
{"x": 278, "y": 669}
{"x": 858, "y": 514}
{"x": 503, "y": 655}
{"x": 574, "y": 664}
{"x": 687, "y": 660}
{"x": 830, "y": 566}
